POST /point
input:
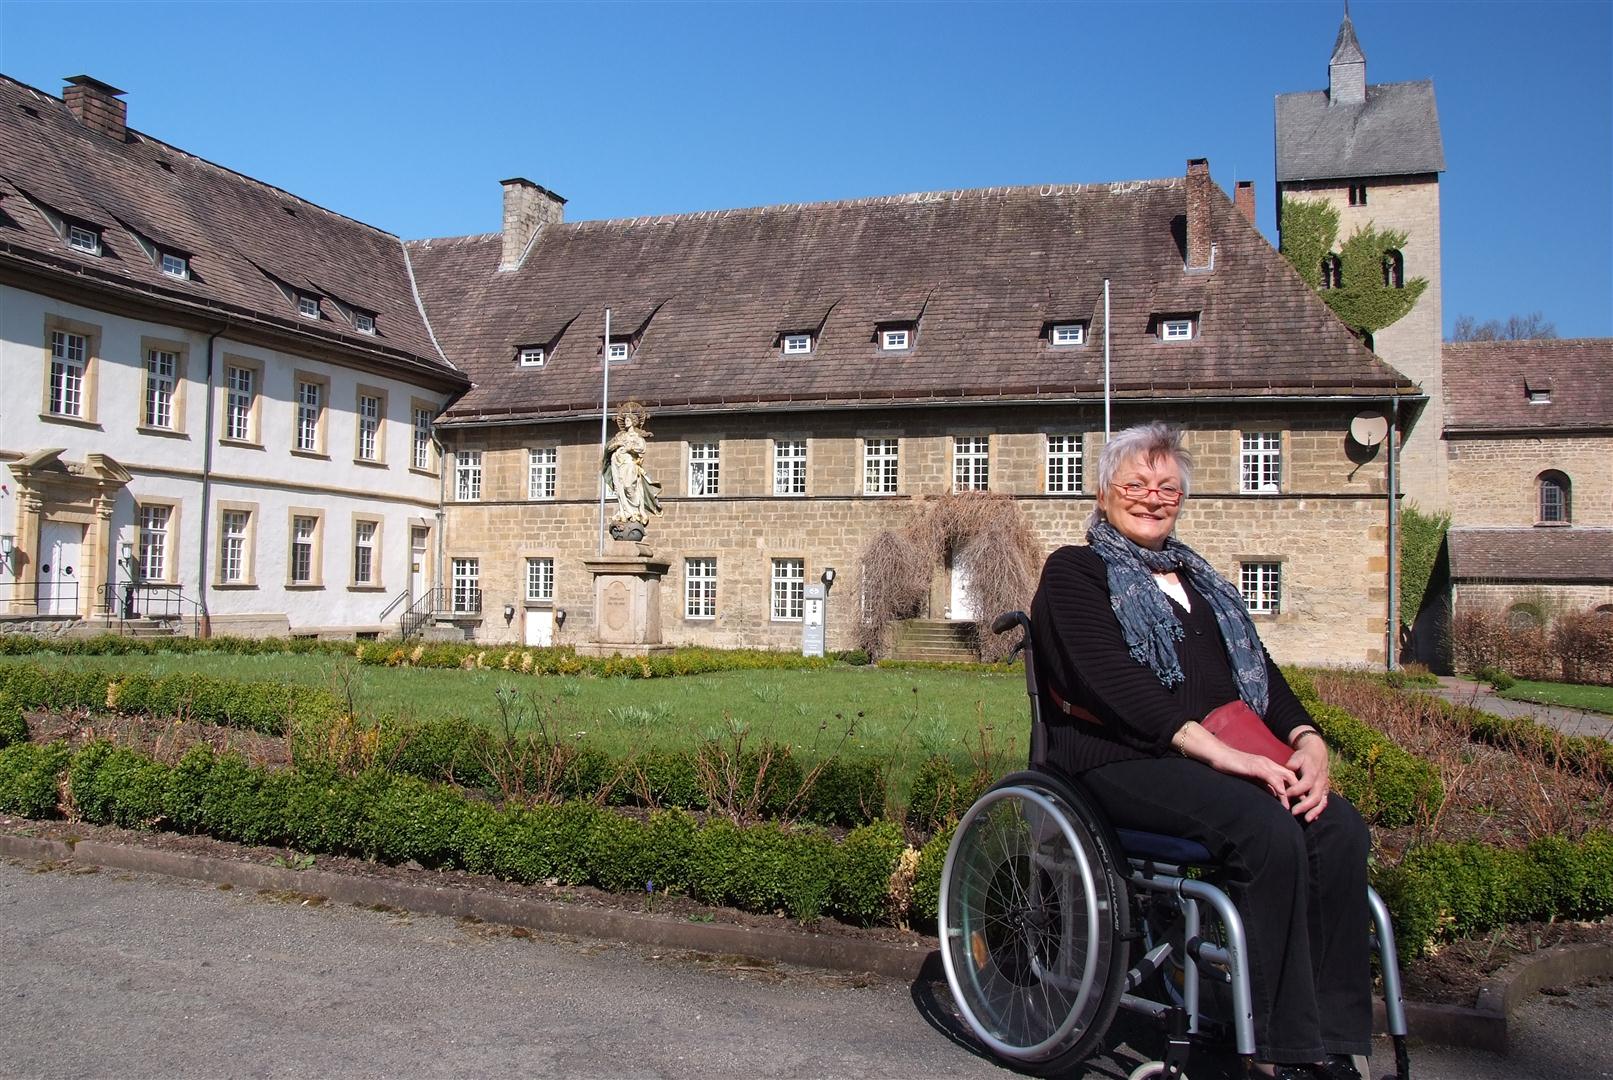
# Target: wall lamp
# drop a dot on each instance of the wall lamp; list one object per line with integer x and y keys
{"x": 125, "y": 553}
{"x": 828, "y": 576}
{"x": 560, "y": 616}
{"x": 509, "y": 612}
{"x": 8, "y": 549}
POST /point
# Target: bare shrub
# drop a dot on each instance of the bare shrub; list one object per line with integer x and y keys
{"x": 1475, "y": 638}
{"x": 895, "y": 581}
{"x": 1582, "y": 646}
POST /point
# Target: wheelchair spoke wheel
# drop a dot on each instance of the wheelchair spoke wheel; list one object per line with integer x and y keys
{"x": 1029, "y": 904}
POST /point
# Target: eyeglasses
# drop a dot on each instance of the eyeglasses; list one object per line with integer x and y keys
{"x": 1135, "y": 492}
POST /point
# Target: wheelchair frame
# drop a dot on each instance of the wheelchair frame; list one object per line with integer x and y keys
{"x": 1211, "y": 946}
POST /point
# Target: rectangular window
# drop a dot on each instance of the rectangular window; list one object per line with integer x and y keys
{"x": 161, "y": 369}
{"x": 704, "y": 472}
{"x": 422, "y": 439}
{"x": 467, "y": 588}
{"x": 893, "y": 339}
{"x": 1176, "y": 329}
{"x": 153, "y": 554}
{"x": 531, "y": 356}
{"x": 175, "y": 265}
{"x": 232, "y": 545}
{"x": 971, "y": 463}
{"x": 310, "y": 404}
{"x": 1064, "y": 465}
{"x": 700, "y": 588}
{"x": 363, "y": 322}
{"x": 363, "y": 553}
{"x": 82, "y": 238}
{"x": 302, "y": 549}
{"x": 369, "y": 427}
{"x": 1358, "y": 194}
{"x": 1261, "y": 462}
{"x": 307, "y": 306}
{"x": 542, "y": 470}
{"x": 618, "y": 350}
{"x": 795, "y": 344}
{"x": 881, "y": 466}
{"x": 69, "y": 359}
{"x": 468, "y": 475}
{"x": 1069, "y": 334}
{"x": 540, "y": 580}
{"x": 238, "y": 407}
{"x": 789, "y": 467}
{"x": 789, "y": 589}
{"x": 1261, "y": 584}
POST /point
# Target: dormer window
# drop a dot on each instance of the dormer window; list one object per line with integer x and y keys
{"x": 895, "y": 340}
{"x": 307, "y": 306}
{"x": 1176, "y": 329}
{"x": 364, "y": 322}
{"x": 85, "y": 239}
{"x": 531, "y": 356}
{"x": 617, "y": 350}
{"x": 1539, "y": 397}
{"x": 173, "y": 265}
{"x": 797, "y": 344}
{"x": 1068, "y": 334}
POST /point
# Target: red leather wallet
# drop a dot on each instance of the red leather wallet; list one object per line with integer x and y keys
{"x": 1237, "y": 725}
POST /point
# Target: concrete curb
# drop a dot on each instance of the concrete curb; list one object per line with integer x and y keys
{"x": 1482, "y": 1027}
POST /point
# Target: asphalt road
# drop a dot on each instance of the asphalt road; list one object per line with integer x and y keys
{"x": 129, "y": 975}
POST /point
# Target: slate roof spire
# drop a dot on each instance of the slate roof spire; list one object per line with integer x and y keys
{"x": 1347, "y": 70}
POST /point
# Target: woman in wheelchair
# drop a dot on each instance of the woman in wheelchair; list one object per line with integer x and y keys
{"x": 1140, "y": 642}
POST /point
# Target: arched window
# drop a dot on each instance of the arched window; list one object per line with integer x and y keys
{"x": 1524, "y": 617}
{"x": 1332, "y": 272}
{"x": 1394, "y": 269}
{"x": 1555, "y": 507}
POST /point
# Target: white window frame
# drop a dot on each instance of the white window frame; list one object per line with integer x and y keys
{"x": 1261, "y": 584}
{"x": 895, "y": 340}
{"x": 466, "y": 590}
{"x": 1067, "y": 334}
{"x": 1176, "y": 329}
{"x": 789, "y": 467}
{"x": 364, "y": 533}
{"x": 971, "y": 463}
{"x": 154, "y": 521}
{"x": 1066, "y": 464}
{"x": 69, "y": 373}
{"x": 468, "y": 476}
{"x": 421, "y": 446}
{"x": 797, "y": 344}
{"x": 367, "y": 415}
{"x": 700, "y": 587}
{"x": 531, "y": 356}
{"x": 882, "y": 465}
{"x": 364, "y": 322}
{"x": 308, "y": 305}
{"x": 705, "y": 469}
{"x": 310, "y": 409}
{"x": 1260, "y": 463}
{"x": 240, "y": 396}
{"x": 234, "y": 538}
{"x": 540, "y": 580}
{"x": 84, "y": 238}
{"x": 175, "y": 266}
{"x": 162, "y": 379}
{"x": 616, "y": 350}
{"x": 789, "y": 590}
{"x": 542, "y": 472}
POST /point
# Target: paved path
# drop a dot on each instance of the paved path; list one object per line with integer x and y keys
{"x": 129, "y": 975}
{"x": 1480, "y": 696}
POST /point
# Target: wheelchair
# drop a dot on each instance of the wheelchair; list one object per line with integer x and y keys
{"x": 1051, "y": 921}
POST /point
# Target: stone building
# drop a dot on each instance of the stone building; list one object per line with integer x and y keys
{"x": 220, "y": 394}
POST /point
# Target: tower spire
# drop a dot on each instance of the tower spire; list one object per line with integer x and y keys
{"x": 1347, "y": 70}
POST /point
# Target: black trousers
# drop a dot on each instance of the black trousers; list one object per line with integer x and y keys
{"x": 1301, "y": 889}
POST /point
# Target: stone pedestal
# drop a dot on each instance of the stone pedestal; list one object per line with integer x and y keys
{"x": 627, "y": 601}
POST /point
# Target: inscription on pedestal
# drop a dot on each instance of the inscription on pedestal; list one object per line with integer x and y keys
{"x": 618, "y": 607}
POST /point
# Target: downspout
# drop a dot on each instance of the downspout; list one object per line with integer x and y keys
{"x": 1393, "y": 641}
{"x": 206, "y": 629}
{"x": 1106, "y": 361}
{"x": 442, "y": 518}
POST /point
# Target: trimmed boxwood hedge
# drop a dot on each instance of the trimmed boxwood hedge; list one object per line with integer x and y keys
{"x": 13, "y": 728}
{"x": 1585, "y": 754}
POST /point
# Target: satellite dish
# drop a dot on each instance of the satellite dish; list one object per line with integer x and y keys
{"x": 1369, "y": 428}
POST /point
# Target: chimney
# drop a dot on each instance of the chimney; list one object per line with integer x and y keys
{"x": 1200, "y": 246}
{"x": 1244, "y": 198}
{"x": 1347, "y": 70}
{"x": 97, "y": 107}
{"x": 527, "y": 209}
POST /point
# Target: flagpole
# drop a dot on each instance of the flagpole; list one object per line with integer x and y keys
{"x": 604, "y": 427}
{"x": 1106, "y": 361}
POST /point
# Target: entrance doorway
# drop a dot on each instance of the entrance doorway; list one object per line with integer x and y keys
{"x": 417, "y": 562}
{"x": 960, "y": 607}
{"x": 540, "y": 627}
{"x": 61, "y": 547}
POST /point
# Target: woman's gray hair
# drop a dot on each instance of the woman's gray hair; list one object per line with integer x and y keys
{"x": 1146, "y": 442}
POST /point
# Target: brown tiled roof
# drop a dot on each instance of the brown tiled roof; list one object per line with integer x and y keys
{"x": 986, "y": 268}
{"x": 1487, "y": 385}
{"x": 233, "y": 229}
{"x": 1539, "y": 554}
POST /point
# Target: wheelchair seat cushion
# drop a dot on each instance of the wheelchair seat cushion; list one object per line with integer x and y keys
{"x": 1166, "y": 849}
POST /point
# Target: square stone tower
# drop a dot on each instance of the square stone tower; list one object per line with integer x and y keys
{"x": 1373, "y": 152}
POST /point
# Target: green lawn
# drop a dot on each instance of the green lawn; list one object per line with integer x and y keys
{"x": 1569, "y": 695}
{"x": 902, "y": 716}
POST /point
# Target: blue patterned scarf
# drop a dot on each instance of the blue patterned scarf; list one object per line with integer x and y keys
{"x": 1150, "y": 625}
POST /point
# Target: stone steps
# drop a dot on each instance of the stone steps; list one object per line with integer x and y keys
{"x": 933, "y": 639}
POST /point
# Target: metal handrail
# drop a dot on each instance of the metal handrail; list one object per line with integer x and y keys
{"x": 35, "y": 592}
{"x": 126, "y": 600}
{"x": 406, "y": 596}
{"x": 439, "y": 601}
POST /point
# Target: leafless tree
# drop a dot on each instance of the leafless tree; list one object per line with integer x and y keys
{"x": 1516, "y": 328}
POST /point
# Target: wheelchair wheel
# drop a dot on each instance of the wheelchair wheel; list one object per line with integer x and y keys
{"x": 1033, "y": 920}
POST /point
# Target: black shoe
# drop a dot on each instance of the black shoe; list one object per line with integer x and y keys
{"x": 1338, "y": 1067}
{"x": 1295, "y": 1072}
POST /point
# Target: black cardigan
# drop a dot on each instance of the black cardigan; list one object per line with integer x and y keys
{"x": 1082, "y": 653}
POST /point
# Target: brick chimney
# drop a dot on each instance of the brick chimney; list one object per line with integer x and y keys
{"x": 97, "y": 106}
{"x": 1244, "y": 198}
{"x": 1200, "y": 240}
{"x": 527, "y": 209}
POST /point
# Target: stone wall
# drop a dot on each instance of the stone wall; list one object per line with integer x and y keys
{"x": 1493, "y": 480}
{"x": 1326, "y": 528}
{"x": 1551, "y": 600}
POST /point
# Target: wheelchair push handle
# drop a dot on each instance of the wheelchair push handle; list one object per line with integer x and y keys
{"x": 1010, "y": 619}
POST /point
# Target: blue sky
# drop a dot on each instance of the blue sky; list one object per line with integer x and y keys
{"x": 406, "y": 115}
